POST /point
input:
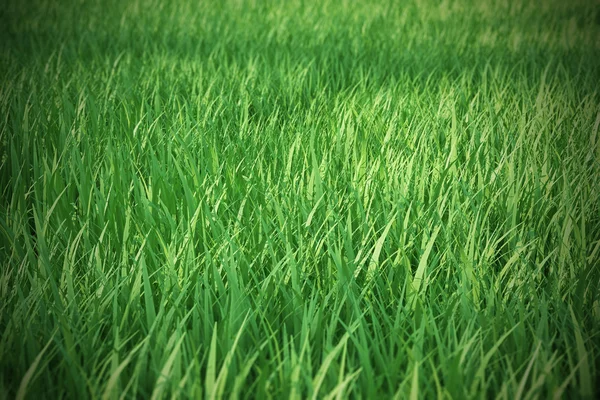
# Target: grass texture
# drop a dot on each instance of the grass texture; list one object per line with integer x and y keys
{"x": 300, "y": 199}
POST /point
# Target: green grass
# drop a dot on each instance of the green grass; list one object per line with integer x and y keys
{"x": 309, "y": 199}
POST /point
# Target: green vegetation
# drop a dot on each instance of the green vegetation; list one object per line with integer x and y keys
{"x": 299, "y": 199}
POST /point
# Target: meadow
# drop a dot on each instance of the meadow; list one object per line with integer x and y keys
{"x": 300, "y": 199}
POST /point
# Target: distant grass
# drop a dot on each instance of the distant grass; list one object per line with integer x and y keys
{"x": 307, "y": 199}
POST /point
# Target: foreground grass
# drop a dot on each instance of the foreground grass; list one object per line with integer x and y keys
{"x": 263, "y": 200}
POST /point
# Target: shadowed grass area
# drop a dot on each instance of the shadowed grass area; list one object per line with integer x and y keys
{"x": 308, "y": 200}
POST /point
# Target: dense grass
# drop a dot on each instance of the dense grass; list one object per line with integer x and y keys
{"x": 306, "y": 199}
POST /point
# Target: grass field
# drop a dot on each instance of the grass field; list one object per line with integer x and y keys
{"x": 304, "y": 199}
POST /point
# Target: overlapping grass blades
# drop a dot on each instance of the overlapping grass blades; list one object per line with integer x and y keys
{"x": 261, "y": 200}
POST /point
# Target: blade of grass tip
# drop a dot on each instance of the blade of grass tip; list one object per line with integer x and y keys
{"x": 379, "y": 245}
{"x": 241, "y": 377}
{"x": 558, "y": 394}
{"x": 149, "y": 301}
{"x": 343, "y": 361}
{"x": 312, "y": 212}
{"x": 305, "y": 349}
{"x": 543, "y": 376}
{"x": 29, "y": 374}
{"x": 436, "y": 379}
{"x": 320, "y": 377}
{"x": 165, "y": 372}
{"x": 488, "y": 356}
{"x": 191, "y": 367}
{"x": 338, "y": 391}
{"x": 53, "y": 206}
{"x": 414, "y": 387}
{"x": 521, "y": 388}
{"x": 211, "y": 368}
{"x": 513, "y": 259}
{"x": 222, "y": 378}
{"x": 419, "y": 274}
{"x": 467, "y": 347}
{"x": 585, "y": 380}
{"x": 112, "y": 381}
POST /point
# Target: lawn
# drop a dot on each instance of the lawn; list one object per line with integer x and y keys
{"x": 300, "y": 199}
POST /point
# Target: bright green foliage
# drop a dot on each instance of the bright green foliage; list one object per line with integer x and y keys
{"x": 304, "y": 199}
